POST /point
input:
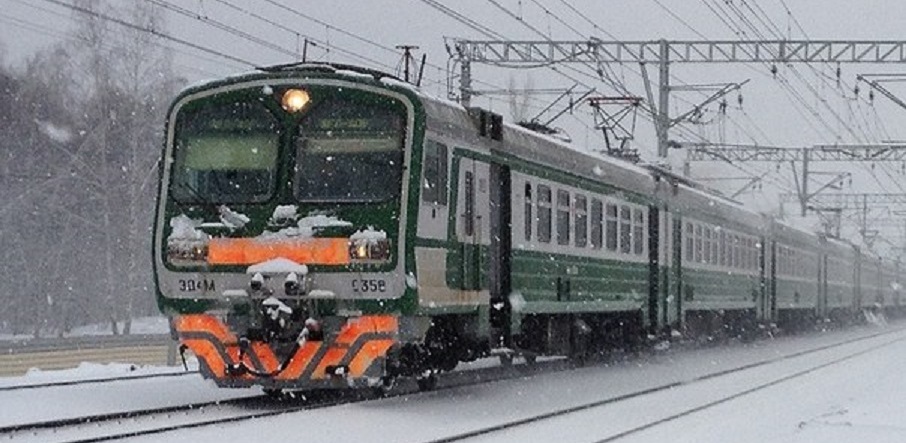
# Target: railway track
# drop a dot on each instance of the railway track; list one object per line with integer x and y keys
{"x": 120, "y": 425}
{"x": 135, "y": 423}
{"x": 487, "y": 432}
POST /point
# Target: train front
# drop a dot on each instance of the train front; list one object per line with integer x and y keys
{"x": 279, "y": 236}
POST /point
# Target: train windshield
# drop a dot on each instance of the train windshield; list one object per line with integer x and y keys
{"x": 350, "y": 150}
{"x": 226, "y": 153}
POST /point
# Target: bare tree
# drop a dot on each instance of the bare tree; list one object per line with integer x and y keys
{"x": 79, "y": 141}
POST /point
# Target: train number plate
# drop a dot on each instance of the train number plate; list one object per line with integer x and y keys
{"x": 196, "y": 285}
{"x": 369, "y": 285}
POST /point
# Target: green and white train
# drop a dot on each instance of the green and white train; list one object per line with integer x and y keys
{"x": 327, "y": 225}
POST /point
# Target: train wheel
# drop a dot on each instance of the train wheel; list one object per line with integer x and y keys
{"x": 427, "y": 382}
{"x": 384, "y": 386}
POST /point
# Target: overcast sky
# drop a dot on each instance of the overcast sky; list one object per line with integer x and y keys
{"x": 770, "y": 115}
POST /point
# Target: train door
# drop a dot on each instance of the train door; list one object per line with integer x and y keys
{"x": 771, "y": 272}
{"x": 500, "y": 227}
{"x": 675, "y": 297}
{"x": 822, "y": 284}
{"x": 763, "y": 303}
{"x": 472, "y": 221}
{"x": 655, "y": 261}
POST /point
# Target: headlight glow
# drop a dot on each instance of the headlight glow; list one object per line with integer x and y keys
{"x": 294, "y": 100}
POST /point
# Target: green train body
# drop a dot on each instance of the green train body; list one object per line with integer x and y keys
{"x": 332, "y": 226}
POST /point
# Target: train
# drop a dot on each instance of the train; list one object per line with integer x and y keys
{"x": 332, "y": 226}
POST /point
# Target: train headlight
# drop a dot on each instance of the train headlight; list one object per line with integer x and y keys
{"x": 371, "y": 250}
{"x": 187, "y": 252}
{"x": 294, "y": 100}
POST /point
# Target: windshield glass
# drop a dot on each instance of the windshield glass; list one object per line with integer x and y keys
{"x": 226, "y": 153}
{"x": 348, "y": 150}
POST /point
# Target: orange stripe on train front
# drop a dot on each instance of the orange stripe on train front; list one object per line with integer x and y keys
{"x": 300, "y": 361}
{"x": 249, "y": 251}
{"x": 265, "y": 356}
{"x": 351, "y": 331}
{"x": 372, "y": 350}
{"x": 204, "y": 323}
{"x": 207, "y": 352}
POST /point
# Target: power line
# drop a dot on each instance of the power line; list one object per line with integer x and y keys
{"x": 152, "y": 31}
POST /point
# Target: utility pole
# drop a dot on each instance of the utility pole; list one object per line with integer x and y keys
{"x": 663, "y": 53}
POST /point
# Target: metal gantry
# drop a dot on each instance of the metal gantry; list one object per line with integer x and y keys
{"x": 798, "y": 156}
{"x": 533, "y": 53}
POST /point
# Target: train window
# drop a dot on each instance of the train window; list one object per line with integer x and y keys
{"x": 751, "y": 255}
{"x": 706, "y": 253}
{"x": 723, "y": 248}
{"x": 528, "y": 212}
{"x": 737, "y": 252}
{"x": 562, "y": 217}
{"x": 715, "y": 244}
{"x": 225, "y": 154}
{"x": 434, "y": 180}
{"x": 350, "y": 150}
{"x": 581, "y": 221}
{"x": 544, "y": 214}
{"x": 597, "y": 227}
{"x": 698, "y": 243}
{"x": 690, "y": 242}
{"x": 469, "y": 196}
{"x": 611, "y": 224}
{"x": 625, "y": 229}
{"x": 638, "y": 232}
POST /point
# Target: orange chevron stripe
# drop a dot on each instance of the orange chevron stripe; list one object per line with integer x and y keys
{"x": 351, "y": 331}
{"x": 300, "y": 361}
{"x": 372, "y": 350}
{"x": 204, "y": 323}
{"x": 207, "y": 352}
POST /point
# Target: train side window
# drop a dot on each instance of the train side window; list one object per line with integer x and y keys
{"x": 723, "y": 248}
{"x": 638, "y": 232}
{"x": 706, "y": 252}
{"x": 434, "y": 182}
{"x": 528, "y": 212}
{"x": 751, "y": 253}
{"x": 698, "y": 243}
{"x": 581, "y": 221}
{"x": 611, "y": 223}
{"x": 469, "y": 186}
{"x": 562, "y": 217}
{"x": 715, "y": 244}
{"x": 690, "y": 242}
{"x": 625, "y": 229}
{"x": 736, "y": 248}
{"x": 544, "y": 214}
{"x": 597, "y": 228}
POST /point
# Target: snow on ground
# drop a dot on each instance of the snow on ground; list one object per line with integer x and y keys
{"x": 100, "y": 398}
{"x": 859, "y": 400}
{"x": 91, "y": 371}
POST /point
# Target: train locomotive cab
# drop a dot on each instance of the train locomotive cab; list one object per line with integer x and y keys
{"x": 281, "y": 228}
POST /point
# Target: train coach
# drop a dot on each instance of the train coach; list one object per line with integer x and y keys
{"x": 332, "y": 226}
